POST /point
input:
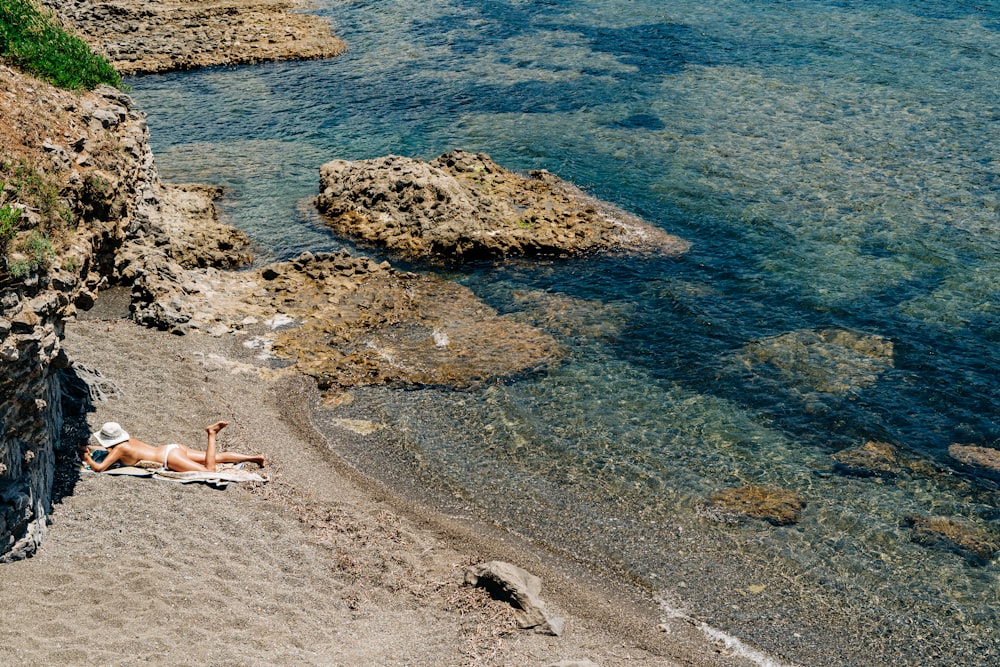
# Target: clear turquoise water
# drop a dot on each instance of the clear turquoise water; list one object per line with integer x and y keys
{"x": 835, "y": 166}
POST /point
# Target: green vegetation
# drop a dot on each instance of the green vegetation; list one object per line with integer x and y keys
{"x": 9, "y": 217}
{"x": 33, "y": 40}
{"x": 26, "y": 242}
{"x": 37, "y": 253}
{"x": 37, "y": 190}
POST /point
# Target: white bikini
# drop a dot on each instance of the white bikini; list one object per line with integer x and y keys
{"x": 166, "y": 454}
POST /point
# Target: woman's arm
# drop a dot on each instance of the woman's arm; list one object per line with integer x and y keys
{"x": 114, "y": 454}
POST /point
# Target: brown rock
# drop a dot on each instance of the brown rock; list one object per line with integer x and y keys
{"x": 874, "y": 458}
{"x": 980, "y": 459}
{"x": 143, "y": 36}
{"x": 464, "y": 206}
{"x": 372, "y": 325}
{"x": 769, "y": 503}
{"x": 975, "y": 543}
{"x": 880, "y": 459}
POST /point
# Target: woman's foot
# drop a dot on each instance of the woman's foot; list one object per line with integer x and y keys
{"x": 216, "y": 427}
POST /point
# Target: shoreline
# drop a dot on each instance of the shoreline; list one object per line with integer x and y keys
{"x": 320, "y": 541}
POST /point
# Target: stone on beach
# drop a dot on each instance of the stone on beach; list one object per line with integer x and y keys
{"x": 463, "y": 205}
{"x": 518, "y": 587}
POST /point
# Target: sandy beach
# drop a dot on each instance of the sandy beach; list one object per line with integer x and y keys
{"x": 316, "y": 567}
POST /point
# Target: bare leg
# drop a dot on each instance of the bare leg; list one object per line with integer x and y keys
{"x": 224, "y": 457}
{"x": 210, "y": 449}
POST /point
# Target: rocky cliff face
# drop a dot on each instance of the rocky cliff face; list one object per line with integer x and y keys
{"x": 90, "y": 152}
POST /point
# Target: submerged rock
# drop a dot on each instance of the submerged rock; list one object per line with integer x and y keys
{"x": 980, "y": 460}
{"x": 878, "y": 459}
{"x": 976, "y": 544}
{"x": 464, "y": 205}
{"x": 835, "y": 361}
{"x": 775, "y": 505}
{"x": 871, "y": 459}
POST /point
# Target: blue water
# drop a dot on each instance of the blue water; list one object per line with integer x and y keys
{"x": 834, "y": 165}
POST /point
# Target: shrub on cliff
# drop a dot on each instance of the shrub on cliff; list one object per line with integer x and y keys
{"x": 33, "y": 40}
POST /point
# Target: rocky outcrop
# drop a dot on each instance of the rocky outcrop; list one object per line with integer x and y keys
{"x": 160, "y": 35}
{"x": 79, "y": 170}
{"x": 465, "y": 206}
{"x": 344, "y": 320}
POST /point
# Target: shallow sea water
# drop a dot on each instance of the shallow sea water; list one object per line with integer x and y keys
{"x": 834, "y": 165}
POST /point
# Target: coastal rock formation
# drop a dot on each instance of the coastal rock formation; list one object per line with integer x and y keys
{"x": 775, "y": 505}
{"x": 463, "y": 205}
{"x": 833, "y": 361}
{"x": 79, "y": 171}
{"x": 979, "y": 460}
{"x": 521, "y": 589}
{"x": 364, "y": 324}
{"x": 145, "y": 36}
{"x": 976, "y": 544}
{"x": 65, "y": 157}
{"x": 348, "y": 321}
{"x": 195, "y": 246}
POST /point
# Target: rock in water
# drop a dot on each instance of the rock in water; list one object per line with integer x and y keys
{"x": 775, "y": 505}
{"x": 980, "y": 460}
{"x": 873, "y": 459}
{"x": 831, "y": 361}
{"x": 465, "y": 206}
{"x": 975, "y": 543}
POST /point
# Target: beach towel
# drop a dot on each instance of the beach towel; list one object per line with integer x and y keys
{"x": 226, "y": 474}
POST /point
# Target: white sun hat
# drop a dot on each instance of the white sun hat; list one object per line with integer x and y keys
{"x": 111, "y": 434}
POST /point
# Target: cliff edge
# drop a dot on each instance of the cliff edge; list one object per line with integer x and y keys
{"x": 80, "y": 199}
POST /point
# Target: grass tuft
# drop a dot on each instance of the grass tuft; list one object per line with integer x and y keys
{"x": 32, "y": 40}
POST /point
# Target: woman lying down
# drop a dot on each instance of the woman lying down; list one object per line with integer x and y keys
{"x": 128, "y": 451}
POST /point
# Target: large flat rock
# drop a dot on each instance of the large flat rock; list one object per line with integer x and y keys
{"x": 463, "y": 205}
